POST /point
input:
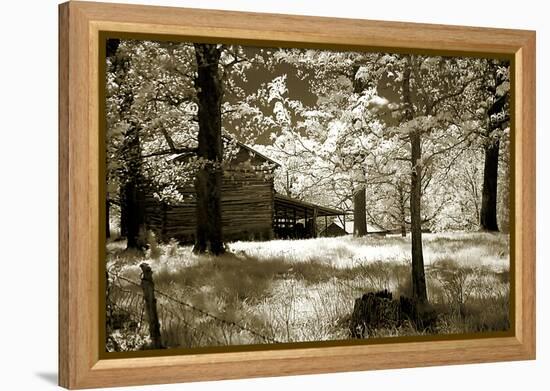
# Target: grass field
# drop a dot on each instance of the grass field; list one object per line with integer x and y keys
{"x": 304, "y": 290}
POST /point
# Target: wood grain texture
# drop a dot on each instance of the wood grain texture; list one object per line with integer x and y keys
{"x": 79, "y": 183}
{"x": 64, "y": 368}
{"x": 526, "y": 209}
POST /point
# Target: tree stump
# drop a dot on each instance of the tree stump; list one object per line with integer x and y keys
{"x": 378, "y": 310}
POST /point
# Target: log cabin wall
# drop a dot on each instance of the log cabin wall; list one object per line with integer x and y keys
{"x": 247, "y": 206}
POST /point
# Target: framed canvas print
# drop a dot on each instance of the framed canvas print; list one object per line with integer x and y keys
{"x": 248, "y": 195}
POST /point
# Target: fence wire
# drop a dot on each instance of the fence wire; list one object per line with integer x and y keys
{"x": 180, "y": 321}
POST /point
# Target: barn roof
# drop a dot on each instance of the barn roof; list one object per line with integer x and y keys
{"x": 251, "y": 151}
{"x": 371, "y": 228}
{"x": 333, "y": 228}
{"x": 283, "y": 202}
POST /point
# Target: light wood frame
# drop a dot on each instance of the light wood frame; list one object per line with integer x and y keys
{"x": 80, "y": 24}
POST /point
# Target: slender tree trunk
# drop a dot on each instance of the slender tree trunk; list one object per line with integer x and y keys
{"x": 418, "y": 276}
{"x": 503, "y": 211}
{"x": 359, "y": 213}
{"x": 359, "y": 197}
{"x": 208, "y": 183}
{"x": 107, "y": 217}
{"x": 314, "y": 231}
{"x": 402, "y": 216}
{"x": 488, "y": 214}
{"x": 110, "y": 52}
{"x": 123, "y": 213}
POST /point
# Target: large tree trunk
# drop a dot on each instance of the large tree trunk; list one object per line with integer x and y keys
{"x": 208, "y": 183}
{"x": 359, "y": 213}
{"x": 497, "y": 117}
{"x": 418, "y": 276}
{"x": 488, "y": 214}
{"x": 132, "y": 194}
{"x": 134, "y": 217}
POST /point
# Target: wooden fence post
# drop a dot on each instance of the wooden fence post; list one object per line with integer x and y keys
{"x": 148, "y": 287}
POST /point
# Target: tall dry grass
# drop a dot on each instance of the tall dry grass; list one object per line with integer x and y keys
{"x": 304, "y": 290}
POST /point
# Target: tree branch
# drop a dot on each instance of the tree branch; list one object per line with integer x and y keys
{"x": 171, "y": 152}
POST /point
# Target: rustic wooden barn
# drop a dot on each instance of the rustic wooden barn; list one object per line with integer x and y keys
{"x": 342, "y": 227}
{"x": 251, "y": 209}
{"x": 333, "y": 230}
{"x": 296, "y": 219}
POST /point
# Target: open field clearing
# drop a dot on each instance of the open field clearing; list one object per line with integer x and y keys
{"x": 305, "y": 290}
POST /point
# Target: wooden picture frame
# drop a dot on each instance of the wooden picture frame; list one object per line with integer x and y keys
{"x": 80, "y": 26}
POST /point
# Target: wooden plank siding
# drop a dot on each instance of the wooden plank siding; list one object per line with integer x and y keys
{"x": 247, "y": 210}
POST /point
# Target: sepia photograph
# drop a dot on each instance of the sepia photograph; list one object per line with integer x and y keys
{"x": 276, "y": 195}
